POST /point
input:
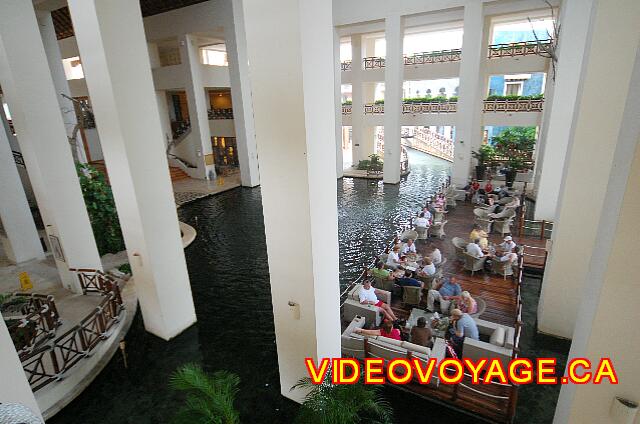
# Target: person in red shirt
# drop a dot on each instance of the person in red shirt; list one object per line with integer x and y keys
{"x": 385, "y": 330}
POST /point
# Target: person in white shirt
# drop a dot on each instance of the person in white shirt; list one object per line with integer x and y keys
{"x": 429, "y": 269}
{"x": 409, "y": 247}
{"x": 435, "y": 255}
{"x": 368, "y": 296}
{"x": 503, "y": 256}
{"x": 474, "y": 249}
{"x": 393, "y": 260}
{"x": 421, "y": 221}
{"x": 508, "y": 245}
{"x": 427, "y": 213}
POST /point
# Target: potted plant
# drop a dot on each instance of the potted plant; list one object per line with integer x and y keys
{"x": 516, "y": 145}
{"x": 483, "y": 155}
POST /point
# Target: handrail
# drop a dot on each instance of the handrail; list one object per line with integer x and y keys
{"x": 436, "y": 56}
{"x": 346, "y": 65}
{"x": 220, "y": 113}
{"x": 513, "y": 105}
{"x": 50, "y": 362}
{"x": 18, "y": 158}
{"x": 39, "y": 323}
{"x": 522, "y": 48}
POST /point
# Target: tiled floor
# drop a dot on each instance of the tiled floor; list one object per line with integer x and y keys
{"x": 188, "y": 190}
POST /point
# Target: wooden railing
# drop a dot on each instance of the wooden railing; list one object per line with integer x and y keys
{"x": 505, "y": 105}
{"x": 18, "y": 158}
{"x": 429, "y": 107}
{"x": 440, "y": 56}
{"x": 523, "y": 48}
{"x": 220, "y": 113}
{"x": 39, "y": 323}
{"x": 346, "y": 109}
{"x": 50, "y": 362}
{"x": 346, "y": 65}
{"x": 373, "y": 62}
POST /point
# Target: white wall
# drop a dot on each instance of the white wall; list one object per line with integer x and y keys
{"x": 222, "y": 127}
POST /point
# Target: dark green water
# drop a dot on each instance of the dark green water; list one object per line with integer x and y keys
{"x": 230, "y": 282}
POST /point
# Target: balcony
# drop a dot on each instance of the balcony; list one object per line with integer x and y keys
{"x": 374, "y": 108}
{"x": 346, "y": 65}
{"x": 440, "y": 56}
{"x": 346, "y": 109}
{"x": 414, "y": 108}
{"x": 524, "y": 48}
{"x": 373, "y": 62}
{"x": 220, "y": 114}
{"x": 513, "y": 104}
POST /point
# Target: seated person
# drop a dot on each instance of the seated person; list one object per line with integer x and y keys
{"x": 429, "y": 269}
{"x": 427, "y": 212}
{"x": 507, "y": 244}
{"x": 380, "y": 272}
{"x": 479, "y": 234}
{"x": 462, "y": 325}
{"x": 368, "y": 296}
{"x": 474, "y": 249}
{"x": 473, "y": 187}
{"x": 385, "y": 330}
{"x": 466, "y": 303}
{"x": 513, "y": 204}
{"x": 408, "y": 280}
{"x": 488, "y": 187}
{"x": 393, "y": 260}
{"x": 435, "y": 255}
{"x": 440, "y": 201}
{"x": 421, "y": 334}
{"x": 500, "y": 212}
{"x": 503, "y": 256}
{"x": 421, "y": 221}
{"x": 409, "y": 247}
{"x": 445, "y": 292}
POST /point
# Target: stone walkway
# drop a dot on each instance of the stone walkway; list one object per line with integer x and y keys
{"x": 188, "y": 190}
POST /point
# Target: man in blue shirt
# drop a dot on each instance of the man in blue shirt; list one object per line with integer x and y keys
{"x": 444, "y": 292}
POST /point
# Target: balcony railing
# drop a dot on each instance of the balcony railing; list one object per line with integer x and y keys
{"x": 346, "y": 65}
{"x": 346, "y": 109}
{"x": 374, "y": 108}
{"x": 220, "y": 113}
{"x": 18, "y": 158}
{"x": 507, "y": 105}
{"x": 429, "y": 107}
{"x": 373, "y": 62}
{"x": 523, "y": 48}
{"x": 440, "y": 56}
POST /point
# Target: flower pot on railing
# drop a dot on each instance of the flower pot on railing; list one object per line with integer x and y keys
{"x": 510, "y": 177}
{"x": 480, "y": 172}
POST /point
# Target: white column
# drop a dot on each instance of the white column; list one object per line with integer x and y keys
{"x": 357, "y": 100}
{"x": 133, "y": 148}
{"x": 197, "y": 103}
{"x": 596, "y": 129}
{"x": 293, "y": 63}
{"x": 561, "y": 105}
{"x": 22, "y": 242}
{"x": 469, "y": 115}
{"x": 16, "y": 388}
{"x": 30, "y": 93}
{"x": 368, "y": 140}
{"x": 236, "y": 43}
{"x": 611, "y": 288}
{"x": 52, "y": 50}
{"x": 393, "y": 78}
{"x": 337, "y": 78}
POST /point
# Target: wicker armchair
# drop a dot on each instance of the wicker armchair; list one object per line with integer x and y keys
{"x": 482, "y": 219}
{"x": 411, "y": 295}
{"x": 409, "y": 234}
{"x": 502, "y": 268}
{"x": 503, "y": 226}
{"x": 437, "y": 229}
{"x": 461, "y": 247}
{"x": 422, "y": 233}
{"x": 473, "y": 264}
{"x": 439, "y": 216}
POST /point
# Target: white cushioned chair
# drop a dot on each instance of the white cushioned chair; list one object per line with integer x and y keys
{"x": 353, "y": 307}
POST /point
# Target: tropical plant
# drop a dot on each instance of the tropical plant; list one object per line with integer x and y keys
{"x": 209, "y": 397}
{"x": 125, "y": 268}
{"x": 516, "y": 144}
{"x": 328, "y": 403}
{"x": 101, "y": 208}
{"x": 374, "y": 163}
{"x": 484, "y": 154}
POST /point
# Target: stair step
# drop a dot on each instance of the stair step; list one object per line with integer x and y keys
{"x": 177, "y": 173}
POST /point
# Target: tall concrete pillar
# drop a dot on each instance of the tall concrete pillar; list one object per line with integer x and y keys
{"x": 611, "y": 288}
{"x": 472, "y": 87}
{"x": 236, "y": 43}
{"x": 393, "y": 78}
{"x": 357, "y": 101}
{"x": 21, "y": 241}
{"x": 127, "y": 118}
{"x": 54, "y": 58}
{"x": 18, "y": 391}
{"x": 294, "y": 63}
{"x": 561, "y": 104}
{"x": 26, "y": 80}
{"x": 597, "y": 129}
{"x": 197, "y": 103}
{"x": 337, "y": 83}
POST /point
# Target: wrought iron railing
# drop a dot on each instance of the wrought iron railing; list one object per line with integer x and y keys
{"x": 439, "y": 56}
{"x": 429, "y": 107}
{"x": 18, "y": 158}
{"x": 518, "y": 105}
{"x": 346, "y": 109}
{"x": 346, "y": 65}
{"x": 523, "y": 48}
{"x": 374, "y": 62}
{"x": 373, "y": 108}
{"x": 220, "y": 113}
{"x": 50, "y": 362}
